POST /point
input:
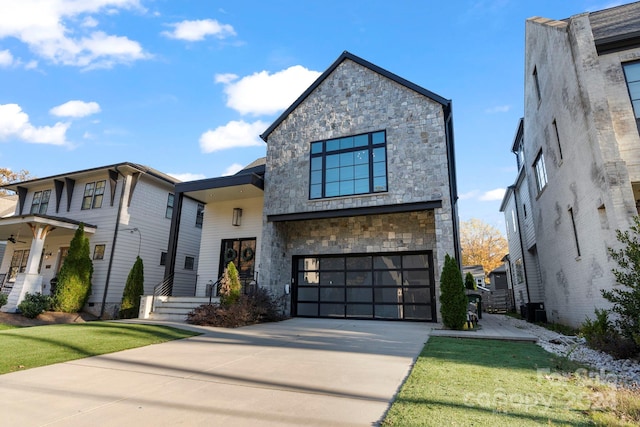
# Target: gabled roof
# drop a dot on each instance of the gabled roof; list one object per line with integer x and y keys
{"x": 346, "y": 55}
{"x": 84, "y": 172}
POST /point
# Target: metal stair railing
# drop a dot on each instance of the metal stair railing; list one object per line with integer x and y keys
{"x": 162, "y": 288}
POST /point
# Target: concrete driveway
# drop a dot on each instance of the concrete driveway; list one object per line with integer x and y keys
{"x": 312, "y": 372}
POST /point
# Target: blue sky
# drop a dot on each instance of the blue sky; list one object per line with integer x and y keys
{"x": 186, "y": 87}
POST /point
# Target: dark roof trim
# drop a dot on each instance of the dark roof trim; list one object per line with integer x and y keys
{"x": 518, "y": 136}
{"x": 368, "y": 210}
{"x": 221, "y": 182}
{"x": 364, "y": 63}
{"x": 618, "y": 43}
{"x": 144, "y": 169}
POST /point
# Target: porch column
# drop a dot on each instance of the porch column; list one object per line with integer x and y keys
{"x": 37, "y": 244}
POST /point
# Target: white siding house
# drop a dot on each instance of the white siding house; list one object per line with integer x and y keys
{"x": 123, "y": 208}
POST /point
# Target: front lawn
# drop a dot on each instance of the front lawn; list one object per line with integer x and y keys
{"x": 462, "y": 382}
{"x": 24, "y": 348}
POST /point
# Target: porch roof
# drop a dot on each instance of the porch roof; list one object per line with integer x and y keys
{"x": 19, "y": 226}
{"x": 243, "y": 185}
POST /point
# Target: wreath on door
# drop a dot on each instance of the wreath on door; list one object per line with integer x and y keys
{"x": 247, "y": 254}
{"x": 229, "y": 255}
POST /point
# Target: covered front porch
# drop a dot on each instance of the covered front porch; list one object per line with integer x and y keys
{"x": 36, "y": 248}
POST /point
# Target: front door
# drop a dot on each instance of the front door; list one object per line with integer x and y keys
{"x": 242, "y": 253}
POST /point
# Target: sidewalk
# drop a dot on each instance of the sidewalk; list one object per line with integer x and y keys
{"x": 491, "y": 326}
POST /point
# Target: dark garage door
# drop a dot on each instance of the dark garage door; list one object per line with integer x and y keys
{"x": 381, "y": 286}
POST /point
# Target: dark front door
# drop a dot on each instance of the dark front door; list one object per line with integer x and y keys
{"x": 242, "y": 252}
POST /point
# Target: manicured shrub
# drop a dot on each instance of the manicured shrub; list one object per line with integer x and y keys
{"x": 469, "y": 282}
{"x": 74, "y": 279}
{"x": 626, "y": 297}
{"x": 258, "y": 307}
{"x": 230, "y": 287}
{"x": 133, "y": 290}
{"x": 34, "y": 304}
{"x": 3, "y": 299}
{"x": 453, "y": 301}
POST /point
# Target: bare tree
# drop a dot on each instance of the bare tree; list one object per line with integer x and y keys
{"x": 482, "y": 244}
{"x": 7, "y": 176}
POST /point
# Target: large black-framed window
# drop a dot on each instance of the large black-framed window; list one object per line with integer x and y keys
{"x": 348, "y": 166}
{"x": 632, "y": 75}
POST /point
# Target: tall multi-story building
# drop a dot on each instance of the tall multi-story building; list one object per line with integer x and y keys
{"x": 578, "y": 151}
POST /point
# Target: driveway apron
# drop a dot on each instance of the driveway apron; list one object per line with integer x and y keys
{"x": 313, "y": 372}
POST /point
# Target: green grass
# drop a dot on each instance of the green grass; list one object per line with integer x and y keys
{"x": 462, "y": 382}
{"x": 24, "y": 348}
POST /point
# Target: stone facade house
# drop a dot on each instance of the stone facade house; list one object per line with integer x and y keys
{"x": 126, "y": 210}
{"x": 579, "y": 159}
{"x": 353, "y": 210}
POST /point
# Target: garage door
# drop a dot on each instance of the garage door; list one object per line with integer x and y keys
{"x": 381, "y": 286}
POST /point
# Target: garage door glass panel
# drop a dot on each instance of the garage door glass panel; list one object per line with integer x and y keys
{"x": 309, "y": 278}
{"x": 417, "y": 312}
{"x": 390, "y": 295}
{"x": 358, "y": 310}
{"x": 416, "y": 278}
{"x": 386, "y": 262}
{"x": 332, "y": 263}
{"x": 307, "y": 309}
{"x": 308, "y": 294}
{"x": 359, "y": 278}
{"x": 359, "y": 263}
{"x": 331, "y": 278}
{"x": 332, "y": 294}
{"x": 388, "y": 312}
{"x": 415, "y": 261}
{"x": 416, "y": 295}
{"x": 387, "y": 278}
{"x": 308, "y": 264}
{"x": 359, "y": 295}
{"x": 332, "y": 310}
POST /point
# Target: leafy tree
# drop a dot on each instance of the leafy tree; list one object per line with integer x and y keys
{"x": 469, "y": 282}
{"x": 482, "y": 244}
{"x": 133, "y": 290}
{"x": 230, "y": 286}
{"x": 453, "y": 301}
{"x": 626, "y": 298}
{"x": 74, "y": 279}
{"x": 7, "y": 176}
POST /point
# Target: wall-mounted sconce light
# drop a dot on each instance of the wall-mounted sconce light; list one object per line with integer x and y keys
{"x": 237, "y": 214}
{"x": 47, "y": 255}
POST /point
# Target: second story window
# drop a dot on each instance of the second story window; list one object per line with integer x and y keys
{"x": 169, "y": 212}
{"x": 541, "y": 172}
{"x": 93, "y": 194}
{"x": 632, "y": 75}
{"x": 200, "y": 215}
{"x": 40, "y": 202}
{"x": 348, "y": 166}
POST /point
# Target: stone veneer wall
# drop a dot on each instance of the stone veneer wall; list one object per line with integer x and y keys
{"x": 350, "y": 101}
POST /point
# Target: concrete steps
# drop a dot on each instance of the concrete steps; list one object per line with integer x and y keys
{"x": 175, "y": 309}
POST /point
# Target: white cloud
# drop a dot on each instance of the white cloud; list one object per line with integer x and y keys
{"x": 492, "y": 195}
{"x": 75, "y": 109}
{"x": 199, "y": 29}
{"x": 469, "y": 195}
{"x": 264, "y": 93}
{"x": 14, "y": 123}
{"x": 233, "y": 169}
{"x": 6, "y": 58}
{"x": 185, "y": 177}
{"x": 225, "y": 78}
{"x": 498, "y": 109}
{"x": 234, "y": 134}
{"x": 50, "y": 31}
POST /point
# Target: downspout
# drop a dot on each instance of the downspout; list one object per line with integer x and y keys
{"x": 524, "y": 264}
{"x": 113, "y": 244}
{"x": 174, "y": 232}
{"x": 453, "y": 186}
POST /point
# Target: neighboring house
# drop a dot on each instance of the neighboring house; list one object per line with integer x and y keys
{"x": 498, "y": 278}
{"x": 7, "y": 208}
{"x": 579, "y": 158}
{"x": 477, "y": 271}
{"x": 126, "y": 210}
{"x": 353, "y": 210}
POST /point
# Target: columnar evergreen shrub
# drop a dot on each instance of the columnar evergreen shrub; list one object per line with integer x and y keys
{"x": 74, "y": 279}
{"x": 469, "y": 282}
{"x": 230, "y": 287}
{"x": 34, "y": 304}
{"x": 453, "y": 301}
{"x": 133, "y": 290}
